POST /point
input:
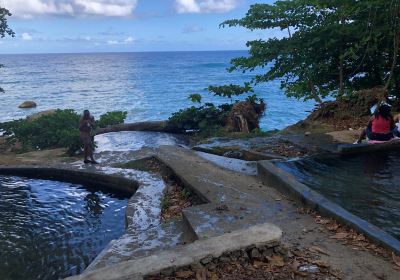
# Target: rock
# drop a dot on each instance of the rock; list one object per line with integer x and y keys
{"x": 206, "y": 260}
{"x": 27, "y": 104}
{"x": 254, "y": 254}
{"x": 35, "y": 116}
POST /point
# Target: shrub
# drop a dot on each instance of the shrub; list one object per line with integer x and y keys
{"x": 111, "y": 118}
{"x": 205, "y": 118}
{"x": 56, "y": 130}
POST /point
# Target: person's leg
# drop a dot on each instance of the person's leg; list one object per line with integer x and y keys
{"x": 90, "y": 149}
{"x": 86, "y": 153}
{"x": 363, "y": 134}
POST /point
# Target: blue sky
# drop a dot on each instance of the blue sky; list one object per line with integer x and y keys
{"x": 57, "y": 26}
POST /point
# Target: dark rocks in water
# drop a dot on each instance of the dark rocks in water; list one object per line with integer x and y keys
{"x": 27, "y": 104}
{"x": 245, "y": 116}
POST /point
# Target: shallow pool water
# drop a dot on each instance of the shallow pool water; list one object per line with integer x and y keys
{"x": 51, "y": 230}
{"x": 366, "y": 185}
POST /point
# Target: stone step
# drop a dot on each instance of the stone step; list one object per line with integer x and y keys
{"x": 212, "y": 219}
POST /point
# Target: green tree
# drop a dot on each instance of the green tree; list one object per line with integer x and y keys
{"x": 4, "y": 28}
{"x": 328, "y": 47}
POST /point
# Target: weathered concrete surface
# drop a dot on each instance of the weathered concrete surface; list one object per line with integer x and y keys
{"x": 285, "y": 182}
{"x": 259, "y": 235}
{"x": 225, "y": 193}
{"x": 217, "y": 184}
{"x": 367, "y": 148}
{"x": 68, "y": 174}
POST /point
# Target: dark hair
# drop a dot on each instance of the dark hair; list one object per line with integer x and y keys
{"x": 384, "y": 111}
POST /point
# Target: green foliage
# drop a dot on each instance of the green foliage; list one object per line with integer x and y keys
{"x": 165, "y": 202}
{"x": 56, "y": 130}
{"x": 111, "y": 118}
{"x": 204, "y": 118}
{"x": 330, "y": 47}
{"x": 195, "y": 98}
{"x": 48, "y": 131}
{"x": 230, "y": 90}
{"x": 186, "y": 193}
{"x": 4, "y": 28}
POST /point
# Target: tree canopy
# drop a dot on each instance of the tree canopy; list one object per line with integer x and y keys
{"x": 4, "y": 28}
{"x": 326, "y": 47}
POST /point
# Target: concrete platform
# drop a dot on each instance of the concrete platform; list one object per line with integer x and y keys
{"x": 260, "y": 235}
{"x": 347, "y": 149}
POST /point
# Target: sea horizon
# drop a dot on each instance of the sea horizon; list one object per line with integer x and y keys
{"x": 122, "y": 52}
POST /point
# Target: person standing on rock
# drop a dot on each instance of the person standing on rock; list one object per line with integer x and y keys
{"x": 86, "y": 123}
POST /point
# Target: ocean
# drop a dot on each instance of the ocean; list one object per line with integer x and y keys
{"x": 149, "y": 86}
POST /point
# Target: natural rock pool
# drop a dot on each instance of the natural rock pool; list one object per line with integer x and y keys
{"x": 367, "y": 185}
{"x": 51, "y": 230}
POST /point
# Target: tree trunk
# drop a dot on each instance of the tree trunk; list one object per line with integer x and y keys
{"x": 158, "y": 126}
{"x": 396, "y": 47}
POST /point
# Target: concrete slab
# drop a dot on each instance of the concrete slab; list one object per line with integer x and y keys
{"x": 260, "y": 235}
{"x": 210, "y": 220}
{"x": 347, "y": 149}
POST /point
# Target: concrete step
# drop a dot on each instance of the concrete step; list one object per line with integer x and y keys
{"x": 210, "y": 220}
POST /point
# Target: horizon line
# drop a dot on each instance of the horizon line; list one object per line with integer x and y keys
{"x": 115, "y": 52}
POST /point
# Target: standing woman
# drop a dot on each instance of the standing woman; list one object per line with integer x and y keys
{"x": 86, "y": 123}
{"x": 380, "y": 126}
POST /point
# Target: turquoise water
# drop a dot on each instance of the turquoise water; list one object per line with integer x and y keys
{"x": 150, "y": 86}
{"x": 51, "y": 230}
{"x": 366, "y": 185}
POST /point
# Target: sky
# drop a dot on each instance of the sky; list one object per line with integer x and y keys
{"x": 73, "y": 26}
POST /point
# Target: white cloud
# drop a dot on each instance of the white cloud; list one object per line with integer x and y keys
{"x": 32, "y": 8}
{"x": 126, "y": 41}
{"x": 205, "y": 6}
{"x": 112, "y": 42}
{"x": 26, "y": 37}
{"x": 192, "y": 29}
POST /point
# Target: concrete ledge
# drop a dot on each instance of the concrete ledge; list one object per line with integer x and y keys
{"x": 285, "y": 182}
{"x": 260, "y": 235}
{"x": 346, "y": 149}
{"x": 83, "y": 177}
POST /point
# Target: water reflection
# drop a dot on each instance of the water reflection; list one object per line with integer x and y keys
{"x": 366, "y": 185}
{"x": 51, "y": 230}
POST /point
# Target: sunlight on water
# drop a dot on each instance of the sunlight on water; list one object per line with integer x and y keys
{"x": 366, "y": 185}
{"x": 51, "y": 230}
{"x": 150, "y": 86}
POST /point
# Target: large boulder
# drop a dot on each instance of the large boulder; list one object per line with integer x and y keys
{"x": 27, "y": 104}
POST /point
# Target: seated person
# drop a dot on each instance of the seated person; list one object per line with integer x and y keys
{"x": 380, "y": 126}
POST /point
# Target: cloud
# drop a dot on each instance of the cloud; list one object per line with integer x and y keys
{"x": 192, "y": 29}
{"x": 205, "y": 6}
{"x": 129, "y": 40}
{"x": 26, "y": 37}
{"x": 32, "y": 8}
{"x": 126, "y": 41}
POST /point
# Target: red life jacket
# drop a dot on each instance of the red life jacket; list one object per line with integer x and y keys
{"x": 381, "y": 125}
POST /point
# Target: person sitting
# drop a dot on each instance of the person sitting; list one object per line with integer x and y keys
{"x": 381, "y": 125}
{"x": 396, "y": 130}
{"x": 86, "y": 124}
